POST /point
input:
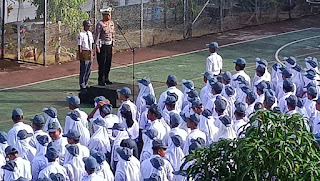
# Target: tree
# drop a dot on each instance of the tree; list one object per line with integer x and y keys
{"x": 278, "y": 148}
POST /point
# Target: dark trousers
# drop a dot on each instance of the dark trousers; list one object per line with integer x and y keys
{"x": 85, "y": 71}
{"x": 104, "y": 62}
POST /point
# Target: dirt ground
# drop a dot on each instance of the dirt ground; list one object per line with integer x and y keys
{"x": 15, "y": 74}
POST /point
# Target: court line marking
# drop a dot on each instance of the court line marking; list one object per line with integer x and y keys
{"x": 155, "y": 59}
{"x": 276, "y": 55}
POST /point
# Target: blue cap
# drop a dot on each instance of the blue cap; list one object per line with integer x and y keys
{"x": 269, "y": 99}
{"x": 196, "y": 103}
{"x": 226, "y": 120}
{"x": 312, "y": 91}
{"x": 291, "y": 60}
{"x": 52, "y": 153}
{"x": 175, "y": 119}
{"x": 129, "y": 143}
{"x": 73, "y": 149}
{"x": 125, "y": 108}
{"x": 217, "y": 86}
{"x": 288, "y": 84}
{"x": 106, "y": 109}
{"x": 10, "y": 165}
{"x": 262, "y": 85}
{"x": 74, "y": 100}
{"x": 251, "y": 96}
{"x": 74, "y": 115}
{"x": 285, "y": 72}
{"x": 312, "y": 61}
{"x": 158, "y": 144}
{"x": 90, "y": 162}
{"x": 99, "y": 122}
{"x": 145, "y": 81}
{"x": 153, "y": 177}
{"x": 38, "y": 120}
{"x": 51, "y": 111}
{"x": 297, "y": 68}
{"x": 240, "y": 61}
{"x": 276, "y": 109}
{"x": 17, "y": 112}
{"x": 230, "y": 91}
{"x": 150, "y": 99}
{"x": 170, "y": 100}
{"x": 157, "y": 163}
{"x": 212, "y": 45}
{"x": 310, "y": 76}
{"x": 262, "y": 62}
{"x": 220, "y": 104}
{"x": 154, "y": 108}
{"x": 226, "y": 76}
{"x": 72, "y": 134}
{"x": 206, "y": 113}
{"x": 194, "y": 118}
{"x": 99, "y": 156}
{"x": 318, "y": 100}
{"x": 240, "y": 78}
{"x": 124, "y": 91}
{"x": 258, "y": 106}
{"x": 188, "y": 83}
{"x": 245, "y": 88}
{"x": 118, "y": 126}
{"x": 276, "y": 66}
{"x": 3, "y": 137}
{"x": 151, "y": 133}
{"x": 240, "y": 108}
{"x": 57, "y": 177}
{"x": 311, "y": 72}
{"x": 184, "y": 116}
{"x": 292, "y": 101}
{"x": 194, "y": 146}
{"x": 124, "y": 152}
{"x": 192, "y": 94}
{"x": 172, "y": 79}
{"x": 300, "y": 103}
{"x": 261, "y": 68}
{"x": 42, "y": 139}
{"x": 199, "y": 140}
{"x": 177, "y": 140}
{"x": 21, "y": 179}
{"x": 10, "y": 150}
{"x": 23, "y": 134}
{"x": 207, "y": 75}
{"x": 86, "y": 23}
{"x": 53, "y": 126}
{"x": 99, "y": 99}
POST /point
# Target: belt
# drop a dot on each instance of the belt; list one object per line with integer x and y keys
{"x": 104, "y": 42}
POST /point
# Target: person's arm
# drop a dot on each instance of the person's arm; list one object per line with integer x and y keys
{"x": 208, "y": 65}
{"x": 79, "y": 41}
{"x": 97, "y": 36}
{"x": 100, "y": 104}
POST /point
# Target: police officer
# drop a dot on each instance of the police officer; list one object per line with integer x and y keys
{"x": 104, "y": 37}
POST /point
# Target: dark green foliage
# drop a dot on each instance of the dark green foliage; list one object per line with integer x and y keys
{"x": 278, "y": 148}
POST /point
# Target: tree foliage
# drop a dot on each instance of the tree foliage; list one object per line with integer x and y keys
{"x": 278, "y": 148}
{"x": 66, "y": 11}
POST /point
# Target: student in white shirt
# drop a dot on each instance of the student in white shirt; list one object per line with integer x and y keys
{"x": 103, "y": 169}
{"x": 78, "y": 127}
{"x": 73, "y": 138}
{"x": 37, "y": 123}
{"x": 17, "y": 118}
{"x": 155, "y": 117}
{"x": 26, "y": 151}
{"x": 207, "y": 88}
{"x": 260, "y": 91}
{"x": 39, "y": 162}
{"x": 172, "y": 82}
{"x": 100, "y": 140}
{"x": 225, "y": 131}
{"x": 269, "y": 101}
{"x": 250, "y": 101}
{"x": 288, "y": 90}
{"x": 74, "y": 105}
{"x": 73, "y": 163}
{"x": 239, "y": 125}
{"x": 146, "y": 88}
{"x": 85, "y": 44}
{"x": 292, "y": 102}
{"x": 124, "y": 95}
{"x": 309, "y": 103}
{"x": 170, "y": 103}
{"x": 148, "y": 136}
{"x": 214, "y": 62}
{"x": 174, "y": 154}
{"x": 129, "y": 123}
{"x": 58, "y": 141}
{"x": 240, "y": 65}
{"x": 50, "y": 115}
{"x": 175, "y": 122}
{"x": 187, "y": 86}
{"x": 91, "y": 167}
{"x": 128, "y": 168}
{"x": 3, "y": 142}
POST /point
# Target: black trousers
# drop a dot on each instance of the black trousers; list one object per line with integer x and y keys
{"x": 104, "y": 62}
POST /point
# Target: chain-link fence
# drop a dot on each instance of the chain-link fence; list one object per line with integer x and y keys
{"x": 145, "y": 22}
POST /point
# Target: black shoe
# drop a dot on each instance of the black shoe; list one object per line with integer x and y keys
{"x": 108, "y": 82}
{"x": 83, "y": 90}
{"x": 101, "y": 84}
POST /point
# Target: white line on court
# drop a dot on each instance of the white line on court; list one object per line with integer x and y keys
{"x": 155, "y": 59}
{"x": 276, "y": 55}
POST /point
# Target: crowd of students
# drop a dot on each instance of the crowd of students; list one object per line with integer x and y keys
{"x": 149, "y": 139}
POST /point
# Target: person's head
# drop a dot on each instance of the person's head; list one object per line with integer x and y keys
{"x": 226, "y": 78}
{"x": 106, "y": 14}
{"x": 170, "y": 103}
{"x": 251, "y": 97}
{"x": 125, "y": 111}
{"x": 287, "y": 85}
{"x": 292, "y": 102}
{"x": 149, "y": 99}
{"x": 17, "y": 115}
{"x": 213, "y": 46}
{"x": 318, "y": 104}
{"x": 125, "y": 153}
{"x": 72, "y": 136}
{"x": 54, "y": 130}
{"x": 258, "y": 106}
{"x": 154, "y": 112}
{"x": 73, "y": 101}
{"x": 220, "y": 105}
{"x": 124, "y": 93}
{"x": 285, "y": 73}
{"x": 90, "y": 164}
{"x": 240, "y": 111}
{"x": 175, "y": 120}
{"x": 117, "y": 127}
{"x": 240, "y": 64}
{"x": 225, "y": 120}
{"x": 57, "y": 177}
{"x": 312, "y": 92}
{"x": 216, "y": 88}
{"x": 52, "y": 153}
{"x": 207, "y": 76}
{"x": 290, "y": 62}
{"x": 99, "y": 156}
{"x": 105, "y": 110}
{"x": 159, "y": 148}
{"x": 197, "y": 106}
{"x": 172, "y": 81}
{"x": 3, "y": 137}
{"x": 86, "y": 25}
{"x": 260, "y": 87}
{"x": 11, "y": 153}
{"x": 269, "y": 100}
{"x": 73, "y": 149}
{"x": 260, "y": 70}
{"x": 51, "y": 112}
{"x": 230, "y": 91}
{"x": 193, "y": 121}
{"x": 37, "y": 122}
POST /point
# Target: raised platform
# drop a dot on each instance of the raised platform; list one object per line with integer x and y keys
{"x": 108, "y": 91}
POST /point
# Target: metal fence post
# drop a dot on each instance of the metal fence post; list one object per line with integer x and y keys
{"x": 44, "y": 31}
{"x": 2, "y": 28}
{"x": 141, "y": 24}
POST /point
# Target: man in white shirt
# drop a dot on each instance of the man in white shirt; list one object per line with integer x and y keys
{"x": 175, "y": 121}
{"x": 204, "y": 91}
{"x": 37, "y": 123}
{"x": 91, "y": 166}
{"x": 309, "y": 103}
{"x": 124, "y": 95}
{"x": 128, "y": 167}
{"x": 250, "y": 100}
{"x": 292, "y": 102}
{"x": 288, "y": 90}
{"x": 260, "y": 91}
{"x": 58, "y": 141}
{"x": 85, "y": 44}
{"x": 240, "y": 65}
{"x": 214, "y": 61}
{"x": 73, "y": 138}
{"x": 17, "y": 118}
{"x": 74, "y": 105}
{"x": 154, "y": 116}
{"x": 171, "y": 83}
{"x": 269, "y": 101}
{"x": 239, "y": 122}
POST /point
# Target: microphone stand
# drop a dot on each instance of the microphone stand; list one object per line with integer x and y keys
{"x": 133, "y": 54}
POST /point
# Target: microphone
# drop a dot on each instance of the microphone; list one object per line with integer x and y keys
{"x": 119, "y": 27}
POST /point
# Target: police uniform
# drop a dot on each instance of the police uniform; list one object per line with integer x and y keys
{"x": 104, "y": 36}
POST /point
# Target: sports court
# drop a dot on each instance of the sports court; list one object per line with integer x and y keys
{"x": 33, "y": 98}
